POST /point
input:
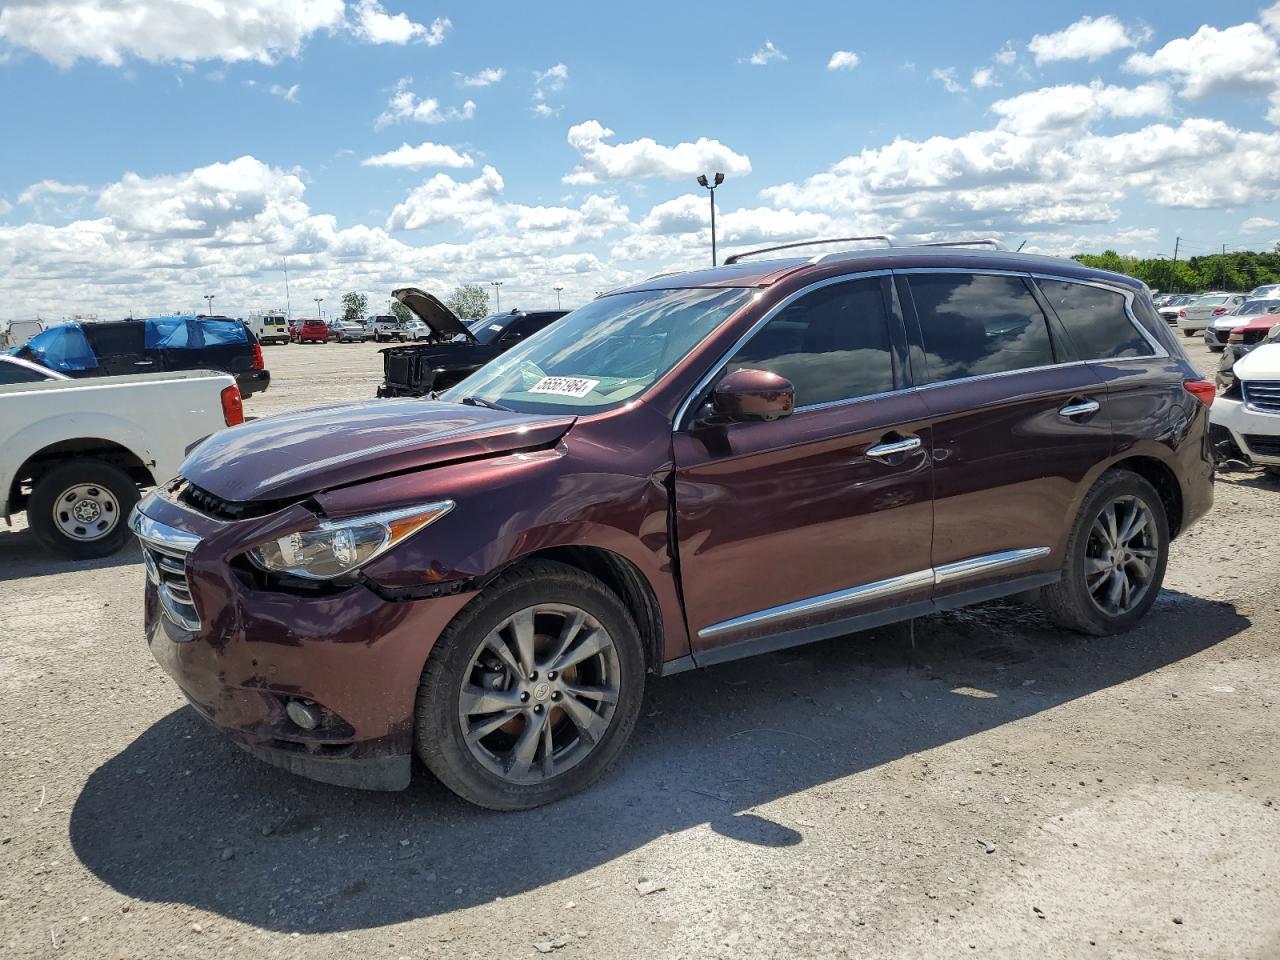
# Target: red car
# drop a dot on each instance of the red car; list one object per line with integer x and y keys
{"x": 312, "y": 330}
{"x": 696, "y": 468}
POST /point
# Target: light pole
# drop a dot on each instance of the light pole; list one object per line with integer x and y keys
{"x": 702, "y": 182}
{"x": 209, "y": 298}
{"x": 497, "y": 295}
{"x": 557, "y": 290}
{"x": 318, "y": 300}
{"x": 288, "y": 303}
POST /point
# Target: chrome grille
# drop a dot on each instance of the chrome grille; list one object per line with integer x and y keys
{"x": 164, "y": 552}
{"x": 1262, "y": 395}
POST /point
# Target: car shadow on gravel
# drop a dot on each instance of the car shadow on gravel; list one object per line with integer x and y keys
{"x": 181, "y": 815}
{"x": 21, "y": 557}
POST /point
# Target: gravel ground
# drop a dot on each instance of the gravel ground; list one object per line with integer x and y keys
{"x": 989, "y": 786}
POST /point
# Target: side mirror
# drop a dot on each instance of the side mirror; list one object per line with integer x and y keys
{"x": 753, "y": 395}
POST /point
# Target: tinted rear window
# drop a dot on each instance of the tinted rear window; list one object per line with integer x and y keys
{"x": 976, "y": 324}
{"x": 115, "y": 339}
{"x": 1096, "y": 321}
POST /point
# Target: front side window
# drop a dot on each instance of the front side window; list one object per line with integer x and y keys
{"x": 977, "y": 324}
{"x": 832, "y": 344}
{"x": 1096, "y": 321}
{"x": 602, "y": 354}
{"x": 11, "y": 373}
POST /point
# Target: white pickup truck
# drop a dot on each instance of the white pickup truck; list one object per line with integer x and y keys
{"x": 74, "y": 453}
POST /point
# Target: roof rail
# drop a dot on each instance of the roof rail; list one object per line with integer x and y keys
{"x": 738, "y": 257}
{"x": 984, "y": 242}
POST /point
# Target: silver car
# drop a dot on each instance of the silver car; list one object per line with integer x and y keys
{"x": 1215, "y": 335}
{"x": 1170, "y": 307}
{"x": 1198, "y": 315}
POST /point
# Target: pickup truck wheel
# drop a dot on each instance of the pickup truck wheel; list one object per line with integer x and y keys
{"x": 1115, "y": 558}
{"x": 80, "y": 509}
{"x": 533, "y": 689}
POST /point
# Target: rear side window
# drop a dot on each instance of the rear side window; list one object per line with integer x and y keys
{"x": 113, "y": 340}
{"x": 976, "y": 324}
{"x": 1096, "y": 321}
{"x": 832, "y": 344}
{"x": 11, "y": 373}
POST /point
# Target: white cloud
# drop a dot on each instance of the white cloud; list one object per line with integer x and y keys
{"x": 1258, "y": 224}
{"x": 637, "y": 159}
{"x": 443, "y": 199}
{"x": 425, "y": 154}
{"x": 1089, "y": 38}
{"x": 551, "y": 80}
{"x": 108, "y": 31}
{"x": 984, "y": 77}
{"x": 374, "y": 25}
{"x": 289, "y": 93}
{"x": 5, "y": 206}
{"x": 843, "y": 60}
{"x": 1072, "y": 106}
{"x": 765, "y": 55}
{"x": 485, "y": 78}
{"x": 947, "y": 76}
{"x": 47, "y": 188}
{"x": 1006, "y": 56}
{"x": 1239, "y": 59}
{"x": 406, "y": 105}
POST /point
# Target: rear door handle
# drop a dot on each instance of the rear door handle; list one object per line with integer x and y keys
{"x": 881, "y": 450}
{"x": 1079, "y": 409}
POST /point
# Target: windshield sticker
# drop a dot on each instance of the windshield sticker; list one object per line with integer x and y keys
{"x": 565, "y": 386}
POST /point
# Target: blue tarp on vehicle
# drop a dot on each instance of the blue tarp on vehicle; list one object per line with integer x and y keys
{"x": 64, "y": 348}
{"x": 192, "y": 333}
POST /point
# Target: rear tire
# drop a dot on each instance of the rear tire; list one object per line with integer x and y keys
{"x": 80, "y": 509}
{"x": 1188, "y": 333}
{"x": 480, "y": 653}
{"x": 1094, "y": 561}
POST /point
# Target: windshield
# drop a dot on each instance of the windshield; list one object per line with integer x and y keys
{"x": 602, "y": 354}
{"x": 1256, "y": 307}
{"x": 488, "y": 329}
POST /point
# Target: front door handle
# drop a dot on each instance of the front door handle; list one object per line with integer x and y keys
{"x": 1079, "y": 409}
{"x": 893, "y": 447}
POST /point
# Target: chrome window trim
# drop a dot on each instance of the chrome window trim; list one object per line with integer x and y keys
{"x": 934, "y": 576}
{"x": 777, "y": 308}
{"x": 1159, "y": 352}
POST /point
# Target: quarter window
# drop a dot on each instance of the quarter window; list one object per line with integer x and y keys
{"x": 975, "y": 324}
{"x": 832, "y": 344}
{"x": 1096, "y": 321}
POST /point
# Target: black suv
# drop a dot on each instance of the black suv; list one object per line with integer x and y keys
{"x": 110, "y": 348}
{"x": 456, "y": 349}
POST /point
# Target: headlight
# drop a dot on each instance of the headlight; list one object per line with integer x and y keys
{"x": 335, "y": 547}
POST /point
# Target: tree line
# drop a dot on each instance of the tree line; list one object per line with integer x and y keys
{"x": 468, "y": 302}
{"x": 1241, "y": 270}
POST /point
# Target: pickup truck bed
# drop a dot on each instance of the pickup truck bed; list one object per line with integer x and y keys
{"x": 74, "y": 453}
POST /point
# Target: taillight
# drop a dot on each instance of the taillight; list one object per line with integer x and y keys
{"x": 1202, "y": 390}
{"x": 232, "y": 405}
{"x": 1220, "y": 311}
{"x": 258, "y": 362}
{"x": 1182, "y": 314}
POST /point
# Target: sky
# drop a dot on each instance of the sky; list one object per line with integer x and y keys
{"x": 158, "y": 151}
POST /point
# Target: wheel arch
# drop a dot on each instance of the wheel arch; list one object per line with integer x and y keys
{"x": 95, "y": 448}
{"x": 1157, "y": 473}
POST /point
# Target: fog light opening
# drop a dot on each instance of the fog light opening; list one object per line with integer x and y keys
{"x": 303, "y": 713}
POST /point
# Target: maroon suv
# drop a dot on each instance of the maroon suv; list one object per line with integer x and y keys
{"x": 696, "y": 468}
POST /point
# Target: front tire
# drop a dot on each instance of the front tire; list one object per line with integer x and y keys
{"x": 1115, "y": 558}
{"x": 532, "y": 691}
{"x": 80, "y": 509}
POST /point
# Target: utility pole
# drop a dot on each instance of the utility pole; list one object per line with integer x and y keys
{"x": 1177, "y": 242}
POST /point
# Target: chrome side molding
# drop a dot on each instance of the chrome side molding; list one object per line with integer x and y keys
{"x": 879, "y": 589}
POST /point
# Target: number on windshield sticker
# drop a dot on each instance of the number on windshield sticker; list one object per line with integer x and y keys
{"x": 565, "y": 386}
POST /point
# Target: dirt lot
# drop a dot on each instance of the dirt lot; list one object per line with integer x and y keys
{"x": 993, "y": 788}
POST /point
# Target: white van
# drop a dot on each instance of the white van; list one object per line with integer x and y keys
{"x": 269, "y": 327}
{"x": 19, "y": 332}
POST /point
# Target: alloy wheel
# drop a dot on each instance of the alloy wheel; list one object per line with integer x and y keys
{"x": 539, "y": 693}
{"x": 86, "y": 511}
{"x": 1121, "y": 555}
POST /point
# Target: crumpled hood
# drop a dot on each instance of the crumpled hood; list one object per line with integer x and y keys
{"x": 1262, "y": 363}
{"x": 296, "y": 454}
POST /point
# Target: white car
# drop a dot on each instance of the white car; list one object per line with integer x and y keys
{"x": 1249, "y": 412}
{"x": 1216, "y": 334}
{"x": 74, "y": 453}
{"x": 1267, "y": 290}
{"x": 19, "y": 332}
{"x": 348, "y": 331}
{"x": 1169, "y": 309}
{"x": 1198, "y": 315}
